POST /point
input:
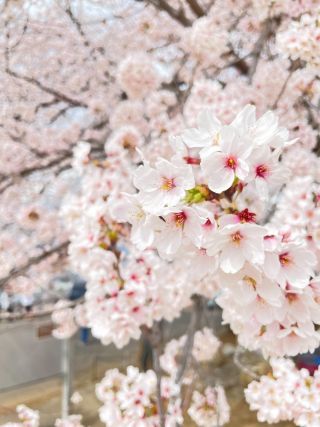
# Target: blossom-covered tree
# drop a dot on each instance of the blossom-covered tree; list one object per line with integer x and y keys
{"x": 170, "y": 150}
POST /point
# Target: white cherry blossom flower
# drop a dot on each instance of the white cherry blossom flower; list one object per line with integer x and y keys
{"x": 225, "y": 162}
{"x": 293, "y": 265}
{"x": 237, "y": 243}
{"x": 162, "y": 186}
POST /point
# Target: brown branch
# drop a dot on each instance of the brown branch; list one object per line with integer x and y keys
{"x": 310, "y": 108}
{"x": 196, "y": 8}
{"x": 273, "y": 206}
{"x": 46, "y": 104}
{"x": 155, "y": 338}
{"x": 192, "y": 328}
{"x": 5, "y": 5}
{"x": 29, "y": 315}
{"x": 283, "y": 88}
{"x": 30, "y": 170}
{"x": 46, "y": 89}
{"x": 62, "y": 160}
{"x": 177, "y": 15}
{"x": 15, "y": 272}
{"x": 241, "y": 366}
{"x": 268, "y": 30}
{"x": 19, "y": 140}
{"x": 76, "y": 22}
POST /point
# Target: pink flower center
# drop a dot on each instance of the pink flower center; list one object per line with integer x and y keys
{"x": 285, "y": 259}
{"x": 208, "y": 225}
{"x": 180, "y": 218}
{"x": 236, "y": 237}
{"x": 262, "y": 171}
{"x": 231, "y": 163}
{"x": 168, "y": 184}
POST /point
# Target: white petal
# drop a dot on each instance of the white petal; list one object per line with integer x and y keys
{"x": 208, "y": 122}
{"x": 231, "y": 259}
{"x": 221, "y": 180}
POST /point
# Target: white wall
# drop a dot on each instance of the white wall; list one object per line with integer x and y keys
{"x": 25, "y": 357}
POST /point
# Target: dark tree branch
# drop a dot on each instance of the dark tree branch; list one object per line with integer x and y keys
{"x": 196, "y": 8}
{"x": 44, "y": 88}
{"x": 39, "y": 154}
{"x": 77, "y": 24}
{"x": 237, "y": 361}
{"x": 192, "y": 328}
{"x": 177, "y": 15}
{"x": 268, "y": 29}
{"x": 47, "y": 104}
{"x": 62, "y": 160}
{"x": 283, "y": 88}
{"x": 18, "y": 271}
{"x": 53, "y": 162}
{"x": 33, "y": 314}
{"x": 155, "y": 337}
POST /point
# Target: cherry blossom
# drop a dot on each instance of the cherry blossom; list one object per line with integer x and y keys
{"x": 287, "y": 394}
{"x": 167, "y": 154}
{"x": 162, "y": 186}
{"x": 131, "y": 399}
{"x": 138, "y": 76}
{"x": 210, "y": 407}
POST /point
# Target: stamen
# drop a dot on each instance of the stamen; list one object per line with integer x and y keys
{"x": 246, "y": 216}
{"x": 291, "y": 297}
{"x": 231, "y": 163}
{"x": 262, "y": 171}
{"x": 250, "y": 281}
{"x": 285, "y": 259}
{"x": 167, "y": 184}
{"x": 180, "y": 218}
{"x": 236, "y": 237}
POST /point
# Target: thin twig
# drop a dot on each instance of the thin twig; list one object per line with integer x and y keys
{"x": 273, "y": 207}
{"x": 283, "y": 88}
{"x": 155, "y": 340}
{"x": 267, "y": 31}
{"x": 15, "y": 272}
{"x": 187, "y": 350}
{"x": 31, "y": 315}
{"x": 196, "y": 8}
{"x": 177, "y": 15}
{"x": 241, "y": 366}
{"x": 46, "y": 89}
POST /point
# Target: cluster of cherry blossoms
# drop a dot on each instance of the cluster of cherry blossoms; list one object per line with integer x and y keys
{"x": 210, "y": 407}
{"x": 286, "y": 394}
{"x": 196, "y": 206}
{"x": 63, "y": 318}
{"x": 138, "y": 76}
{"x": 227, "y": 212}
{"x": 208, "y": 42}
{"x": 127, "y": 286}
{"x": 301, "y": 39}
{"x": 31, "y": 418}
{"x": 297, "y": 212}
{"x": 205, "y": 347}
{"x": 27, "y": 416}
{"x": 208, "y": 202}
{"x": 131, "y": 399}
{"x": 146, "y": 76}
